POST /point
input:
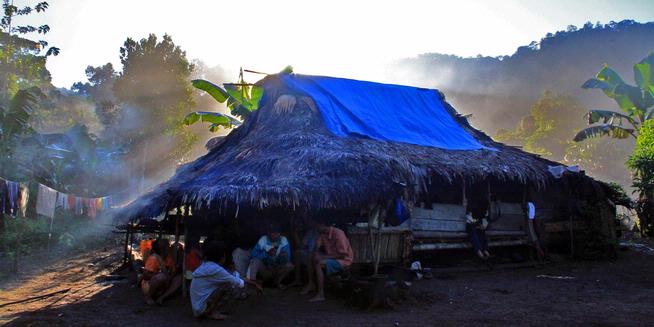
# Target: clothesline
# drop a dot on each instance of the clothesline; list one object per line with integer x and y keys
{"x": 114, "y": 194}
{"x": 14, "y": 197}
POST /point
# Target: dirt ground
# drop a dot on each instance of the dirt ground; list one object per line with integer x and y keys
{"x": 602, "y": 293}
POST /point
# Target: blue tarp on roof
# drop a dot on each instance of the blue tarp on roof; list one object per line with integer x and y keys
{"x": 383, "y": 112}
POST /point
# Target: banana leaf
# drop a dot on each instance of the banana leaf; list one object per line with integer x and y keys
{"x": 236, "y": 94}
{"x": 612, "y": 131}
{"x": 643, "y": 72}
{"x": 215, "y": 118}
{"x": 16, "y": 120}
{"x": 214, "y": 90}
{"x": 629, "y": 98}
{"x": 256, "y": 95}
{"x": 607, "y": 117}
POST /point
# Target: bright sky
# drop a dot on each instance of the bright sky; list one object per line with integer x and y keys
{"x": 353, "y": 38}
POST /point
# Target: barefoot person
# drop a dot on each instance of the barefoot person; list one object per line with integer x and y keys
{"x": 158, "y": 282}
{"x": 212, "y": 286}
{"x": 305, "y": 235}
{"x": 271, "y": 258}
{"x": 334, "y": 253}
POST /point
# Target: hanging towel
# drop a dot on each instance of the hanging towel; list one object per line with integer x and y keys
{"x": 70, "y": 202}
{"x": 23, "y": 197}
{"x": 62, "y": 201}
{"x": 98, "y": 203}
{"x": 45, "y": 201}
{"x": 92, "y": 208}
{"x": 78, "y": 206}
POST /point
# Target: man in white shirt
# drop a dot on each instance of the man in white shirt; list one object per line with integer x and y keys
{"x": 213, "y": 286}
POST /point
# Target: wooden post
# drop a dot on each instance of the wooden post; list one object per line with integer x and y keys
{"x": 464, "y": 200}
{"x": 50, "y": 233}
{"x": 176, "y": 244}
{"x": 371, "y": 217}
{"x": 185, "y": 222}
{"x": 489, "y": 196}
{"x": 129, "y": 226}
{"x": 130, "y": 254}
{"x": 572, "y": 239}
{"x": 379, "y": 239}
{"x": 21, "y": 227}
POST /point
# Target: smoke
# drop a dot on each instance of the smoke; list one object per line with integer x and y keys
{"x": 145, "y": 165}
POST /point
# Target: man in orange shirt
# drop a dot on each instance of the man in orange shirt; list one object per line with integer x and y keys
{"x": 333, "y": 253}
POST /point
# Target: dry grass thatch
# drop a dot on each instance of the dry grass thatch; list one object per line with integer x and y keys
{"x": 288, "y": 158}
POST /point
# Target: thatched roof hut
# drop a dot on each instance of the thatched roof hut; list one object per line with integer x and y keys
{"x": 284, "y": 156}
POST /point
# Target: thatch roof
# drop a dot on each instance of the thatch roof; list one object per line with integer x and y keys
{"x": 289, "y": 159}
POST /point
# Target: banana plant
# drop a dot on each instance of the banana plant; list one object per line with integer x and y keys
{"x": 241, "y": 98}
{"x": 14, "y": 127}
{"x": 635, "y": 102}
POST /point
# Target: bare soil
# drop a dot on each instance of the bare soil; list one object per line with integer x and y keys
{"x": 602, "y": 293}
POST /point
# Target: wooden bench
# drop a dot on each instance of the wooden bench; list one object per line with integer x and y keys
{"x": 443, "y": 226}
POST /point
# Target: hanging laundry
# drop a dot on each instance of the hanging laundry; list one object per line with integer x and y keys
{"x": 78, "y": 208}
{"x": 23, "y": 196}
{"x": 12, "y": 189}
{"x": 92, "y": 209}
{"x": 62, "y": 200}
{"x": 70, "y": 202}
{"x": 4, "y": 197}
{"x": 106, "y": 202}
{"x": 45, "y": 201}
{"x": 98, "y": 203}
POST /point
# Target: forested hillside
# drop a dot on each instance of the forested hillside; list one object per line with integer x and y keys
{"x": 502, "y": 92}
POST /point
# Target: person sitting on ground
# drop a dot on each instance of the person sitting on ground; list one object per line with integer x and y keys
{"x": 476, "y": 224}
{"x": 333, "y": 253}
{"x": 305, "y": 235}
{"x": 212, "y": 286}
{"x": 173, "y": 262}
{"x": 271, "y": 258}
{"x": 157, "y": 281}
{"x": 193, "y": 255}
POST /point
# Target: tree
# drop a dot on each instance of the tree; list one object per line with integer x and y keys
{"x": 154, "y": 86}
{"x": 641, "y": 162}
{"x": 549, "y": 128}
{"x": 637, "y": 105}
{"x": 99, "y": 89}
{"x": 14, "y": 127}
{"x": 22, "y": 61}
